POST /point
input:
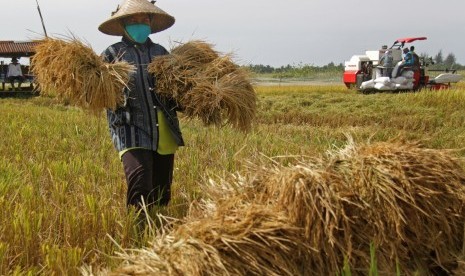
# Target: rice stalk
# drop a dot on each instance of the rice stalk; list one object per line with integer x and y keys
{"x": 71, "y": 71}
{"x": 172, "y": 255}
{"x": 321, "y": 216}
{"x": 405, "y": 200}
{"x": 253, "y": 238}
{"x": 206, "y": 85}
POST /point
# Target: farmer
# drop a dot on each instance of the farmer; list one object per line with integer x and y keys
{"x": 145, "y": 129}
{"x": 15, "y": 73}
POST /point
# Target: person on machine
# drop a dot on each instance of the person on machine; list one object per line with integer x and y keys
{"x": 407, "y": 63}
{"x": 416, "y": 58}
{"x": 386, "y": 64}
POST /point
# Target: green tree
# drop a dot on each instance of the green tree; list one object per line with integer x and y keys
{"x": 450, "y": 60}
{"x": 439, "y": 59}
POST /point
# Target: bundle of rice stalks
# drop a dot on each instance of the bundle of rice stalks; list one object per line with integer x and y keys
{"x": 71, "y": 71}
{"x": 244, "y": 240}
{"x": 196, "y": 52}
{"x": 206, "y": 85}
{"x": 312, "y": 199}
{"x": 172, "y": 255}
{"x": 405, "y": 200}
{"x": 409, "y": 199}
{"x": 316, "y": 217}
{"x": 252, "y": 239}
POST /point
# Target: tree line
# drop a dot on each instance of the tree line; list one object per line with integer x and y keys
{"x": 298, "y": 71}
{"x": 438, "y": 61}
{"x": 441, "y": 62}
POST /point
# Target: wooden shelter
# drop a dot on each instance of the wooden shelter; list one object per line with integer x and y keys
{"x": 9, "y": 48}
{"x": 18, "y": 49}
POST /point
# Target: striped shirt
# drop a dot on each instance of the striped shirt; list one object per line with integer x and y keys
{"x": 136, "y": 124}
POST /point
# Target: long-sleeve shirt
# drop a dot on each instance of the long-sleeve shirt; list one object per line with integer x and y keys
{"x": 14, "y": 70}
{"x": 409, "y": 59}
{"x": 386, "y": 60}
{"x": 146, "y": 119}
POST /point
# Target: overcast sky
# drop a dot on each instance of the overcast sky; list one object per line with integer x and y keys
{"x": 268, "y": 32}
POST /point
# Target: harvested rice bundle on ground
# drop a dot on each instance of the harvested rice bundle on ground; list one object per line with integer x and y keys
{"x": 323, "y": 204}
{"x": 205, "y": 85}
{"x": 313, "y": 199}
{"x": 245, "y": 240}
{"x": 412, "y": 200}
{"x": 252, "y": 239}
{"x": 305, "y": 194}
{"x": 172, "y": 255}
{"x": 318, "y": 216}
{"x": 406, "y": 200}
{"x": 74, "y": 73}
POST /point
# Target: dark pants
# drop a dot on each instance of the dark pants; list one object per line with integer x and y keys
{"x": 149, "y": 176}
{"x": 20, "y": 80}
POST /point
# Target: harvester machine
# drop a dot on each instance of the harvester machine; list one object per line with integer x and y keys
{"x": 365, "y": 73}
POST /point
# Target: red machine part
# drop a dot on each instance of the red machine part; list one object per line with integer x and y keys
{"x": 350, "y": 78}
{"x": 410, "y": 39}
{"x": 416, "y": 77}
{"x": 440, "y": 86}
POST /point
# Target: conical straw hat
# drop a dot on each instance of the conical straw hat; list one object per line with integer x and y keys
{"x": 160, "y": 21}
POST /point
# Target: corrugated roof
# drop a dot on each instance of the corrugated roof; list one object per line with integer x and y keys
{"x": 17, "y": 48}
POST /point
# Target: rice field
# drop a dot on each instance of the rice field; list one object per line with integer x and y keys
{"x": 62, "y": 188}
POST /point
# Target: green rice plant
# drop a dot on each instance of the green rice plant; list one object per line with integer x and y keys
{"x": 346, "y": 269}
{"x": 3, "y": 257}
{"x": 398, "y": 270}
{"x": 373, "y": 261}
{"x": 61, "y": 260}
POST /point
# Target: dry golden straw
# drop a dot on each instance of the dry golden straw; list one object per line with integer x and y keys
{"x": 206, "y": 85}
{"x": 406, "y": 200}
{"x": 309, "y": 217}
{"x": 72, "y": 71}
{"x": 248, "y": 240}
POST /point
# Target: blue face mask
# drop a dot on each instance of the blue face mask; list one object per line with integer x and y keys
{"x": 138, "y": 32}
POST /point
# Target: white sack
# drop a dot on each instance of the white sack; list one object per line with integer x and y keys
{"x": 399, "y": 80}
{"x": 408, "y": 74}
{"x": 381, "y": 86}
{"x": 383, "y": 80}
{"x": 367, "y": 84}
{"x": 408, "y": 86}
{"x": 396, "y": 69}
